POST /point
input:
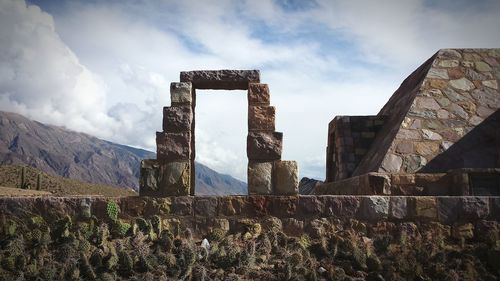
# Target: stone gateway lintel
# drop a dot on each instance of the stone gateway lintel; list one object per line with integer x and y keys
{"x": 221, "y": 79}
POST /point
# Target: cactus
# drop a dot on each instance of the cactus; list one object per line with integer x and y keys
{"x": 39, "y": 182}
{"x": 86, "y": 269}
{"x": 216, "y": 234}
{"x": 23, "y": 183}
{"x": 199, "y": 273}
{"x": 157, "y": 224}
{"x": 125, "y": 264}
{"x": 20, "y": 262}
{"x": 9, "y": 263}
{"x": 112, "y": 211}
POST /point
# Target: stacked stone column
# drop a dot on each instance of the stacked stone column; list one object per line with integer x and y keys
{"x": 267, "y": 174}
{"x": 170, "y": 173}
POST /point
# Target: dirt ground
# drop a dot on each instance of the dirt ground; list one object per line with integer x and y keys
{"x": 13, "y": 192}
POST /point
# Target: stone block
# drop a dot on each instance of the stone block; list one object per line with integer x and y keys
{"x": 260, "y": 178}
{"x": 150, "y": 170}
{"x": 448, "y": 209}
{"x": 175, "y": 178}
{"x": 425, "y": 207}
{"x": 374, "y": 208}
{"x": 221, "y": 79}
{"x": 286, "y": 177}
{"x": 180, "y": 93}
{"x": 341, "y": 206}
{"x": 182, "y": 206}
{"x": 258, "y": 94}
{"x": 283, "y": 206}
{"x": 177, "y": 118}
{"x": 233, "y": 205}
{"x": 206, "y": 207}
{"x": 474, "y": 208}
{"x": 261, "y": 118}
{"x": 463, "y": 231}
{"x": 173, "y": 146}
{"x": 259, "y": 205}
{"x": 264, "y": 146}
{"x": 398, "y": 208}
{"x": 311, "y": 205}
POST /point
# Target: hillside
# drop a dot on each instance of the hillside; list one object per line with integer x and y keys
{"x": 10, "y": 178}
{"x": 62, "y": 152}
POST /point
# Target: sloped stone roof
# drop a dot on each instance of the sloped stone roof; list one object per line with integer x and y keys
{"x": 445, "y": 115}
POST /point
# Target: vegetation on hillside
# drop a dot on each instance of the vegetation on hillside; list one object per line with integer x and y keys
{"x": 12, "y": 176}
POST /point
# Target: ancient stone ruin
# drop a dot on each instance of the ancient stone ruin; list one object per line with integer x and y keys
{"x": 172, "y": 173}
{"x": 439, "y": 134}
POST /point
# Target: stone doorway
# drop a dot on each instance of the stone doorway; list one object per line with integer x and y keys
{"x": 172, "y": 173}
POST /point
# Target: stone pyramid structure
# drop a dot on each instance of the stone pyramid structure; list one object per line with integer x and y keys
{"x": 444, "y": 116}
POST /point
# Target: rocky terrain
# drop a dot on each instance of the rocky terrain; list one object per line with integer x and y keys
{"x": 58, "y": 151}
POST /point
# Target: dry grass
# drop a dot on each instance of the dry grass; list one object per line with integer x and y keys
{"x": 10, "y": 176}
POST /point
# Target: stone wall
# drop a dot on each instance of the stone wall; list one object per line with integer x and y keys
{"x": 172, "y": 173}
{"x": 349, "y": 139}
{"x": 444, "y": 116}
{"x": 298, "y": 214}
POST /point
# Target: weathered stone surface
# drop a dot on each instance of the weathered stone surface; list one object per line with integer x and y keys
{"x": 260, "y": 205}
{"x": 449, "y": 53}
{"x": 311, "y": 205}
{"x": 341, "y": 206}
{"x": 463, "y": 231}
{"x": 448, "y": 63}
{"x": 221, "y": 79}
{"x": 455, "y": 73}
{"x": 264, "y": 146}
{"x": 286, "y": 177}
{"x": 405, "y": 147}
{"x": 437, "y": 73}
{"x": 374, "y": 208}
{"x": 448, "y": 210}
{"x": 430, "y": 135}
{"x": 474, "y": 207}
{"x": 177, "y": 119}
{"x": 491, "y": 84}
{"x": 175, "y": 178}
{"x": 458, "y": 111}
{"x": 173, "y": 146}
{"x": 428, "y": 103}
{"x": 392, "y": 163}
{"x": 462, "y": 84}
{"x": 258, "y": 94}
{"x": 150, "y": 170}
{"x": 260, "y": 177}
{"x": 283, "y": 206}
{"x": 425, "y": 207}
{"x": 482, "y": 66}
{"x": 182, "y": 206}
{"x": 261, "y": 118}
{"x": 398, "y": 208}
{"x": 412, "y": 163}
{"x": 180, "y": 93}
{"x": 408, "y": 134}
{"x": 427, "y": 148}
{"x": 206, "y": 206}
{"x": 233, "y": 206}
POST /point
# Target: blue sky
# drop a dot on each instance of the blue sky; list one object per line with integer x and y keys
{"x": 104, "y": 67}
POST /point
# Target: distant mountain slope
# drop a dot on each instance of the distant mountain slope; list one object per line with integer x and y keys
{"x": 59, "y": 151}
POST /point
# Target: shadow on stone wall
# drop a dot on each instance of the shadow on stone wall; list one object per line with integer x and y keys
{"x": 479, "y": 148}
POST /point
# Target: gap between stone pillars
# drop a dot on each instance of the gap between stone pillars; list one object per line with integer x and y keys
{"x": 192, "y": 190}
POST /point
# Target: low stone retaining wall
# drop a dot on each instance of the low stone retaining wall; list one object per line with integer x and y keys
{"x": 232, "y": 213}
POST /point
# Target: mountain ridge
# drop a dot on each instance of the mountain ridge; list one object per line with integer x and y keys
{"x": 63, "y": 152}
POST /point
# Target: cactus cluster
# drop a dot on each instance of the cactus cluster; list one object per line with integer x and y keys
{"x": 86, "y": 248}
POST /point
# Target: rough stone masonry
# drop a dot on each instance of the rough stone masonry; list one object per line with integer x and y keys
{"x": 172, "y": 173}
